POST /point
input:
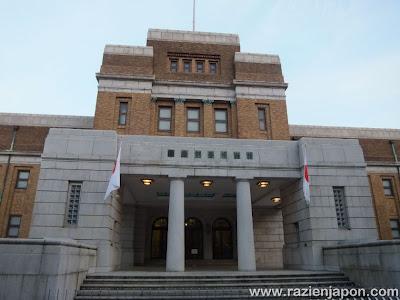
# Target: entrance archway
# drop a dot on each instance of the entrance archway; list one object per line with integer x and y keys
{"x": 159, "y": 234}
{"x": 193, "y": 238}
{"x": 222, "y": 239}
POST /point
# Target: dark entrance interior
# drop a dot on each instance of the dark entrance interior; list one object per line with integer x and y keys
{"x": 222, "y": 239}
{"x": 159, "y": 233}
{"x": 193, "y": 239}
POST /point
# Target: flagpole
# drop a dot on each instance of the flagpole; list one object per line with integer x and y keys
{"x": 194, "y": 14}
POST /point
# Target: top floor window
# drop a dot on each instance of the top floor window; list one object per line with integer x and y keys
{"x": 193, "y": 119}
{"x": 22, "y": 179}
{"x": 174, "y": 65}
{"x": 164, "y": 118}
{"x": 387, "y": 187}
{"x": 123, "y": 112}
{"x": 200, "y": 66}
{"x": 187, "y": 66}
{"x": 213, "y": 67}
{"x": 262, "y": 119}
{"x": 221, "y": 120}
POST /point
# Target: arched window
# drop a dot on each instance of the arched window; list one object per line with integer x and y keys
{"x": 222, "y": 239}
{"x": 193, "y": 238}
{"x": 159, "y": 233}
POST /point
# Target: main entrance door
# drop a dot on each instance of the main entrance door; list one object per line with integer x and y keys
{"x": 222, "y": 239}
{"x": 159, "y": 233}
{"x": 193, "y": 239}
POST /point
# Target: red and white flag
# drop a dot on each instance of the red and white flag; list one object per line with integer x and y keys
{"x": 306, "y": 178}
{"x": 115, "y": 179}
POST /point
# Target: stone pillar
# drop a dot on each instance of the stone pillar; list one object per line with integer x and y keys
{"x": 179, "y": 116}
{"x": 176, "y": 226}
{"x": 208, "y": 118}
{"x": 245, "y": 234}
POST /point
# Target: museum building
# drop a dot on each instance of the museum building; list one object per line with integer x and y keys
{"x": 211, "y": 171}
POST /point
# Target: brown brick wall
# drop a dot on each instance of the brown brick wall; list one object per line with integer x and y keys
{"x": 258, "y": 72}
{"x": 277, "y": 121}
{"x": 127, "y": 65}
{"x": 28, "y": 138}
{"x": 378, "y": 150}
{"x": 18, "y": 201}
{"x": 386, "y": 208}
{"x": 225, "y": 72}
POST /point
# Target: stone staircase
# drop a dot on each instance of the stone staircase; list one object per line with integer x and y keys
{"x": 202, "y": 285}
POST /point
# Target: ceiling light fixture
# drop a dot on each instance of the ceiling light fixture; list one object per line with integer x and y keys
{"x": 147, "y": 181}
{"x": 263, "y": 183}
{"x": 276, "y": 200}
{"x": 206, "y": 183}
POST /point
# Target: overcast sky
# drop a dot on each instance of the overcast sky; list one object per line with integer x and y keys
{"x": 340, "y": 58}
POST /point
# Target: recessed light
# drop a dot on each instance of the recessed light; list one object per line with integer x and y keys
{"x": 206, "y": 183}
{"x": 263, "y": 183}
{"x": 147, "y": 181}
{"x": 276, "y": 200}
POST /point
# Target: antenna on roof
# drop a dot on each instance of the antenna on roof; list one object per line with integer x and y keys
{"x": 194, "y": 14}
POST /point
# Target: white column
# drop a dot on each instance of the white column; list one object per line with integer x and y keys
{"x": 245, "y": 234}
{"x": 176, "y": 226}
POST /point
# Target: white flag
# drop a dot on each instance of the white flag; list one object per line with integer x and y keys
{"x": 115, "y": 179}
{"x": 306, "y": 179}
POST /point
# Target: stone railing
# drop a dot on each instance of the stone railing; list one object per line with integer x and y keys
{"x": 43, "y": 268}
{"x": 370, "y": 264}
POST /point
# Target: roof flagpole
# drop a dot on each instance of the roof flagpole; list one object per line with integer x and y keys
{"x": 194, "y": 14}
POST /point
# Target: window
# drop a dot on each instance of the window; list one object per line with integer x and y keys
{"x": 210, "y": 154}
{"x": 164, "y": 118}
{"x": 261, "y": 119}
{"x": 187, "y": 66}
{"x": 387, "y": 187}
{"x": 22, "y": 180}
{"x": 123, "y": 112}
{"x": 221, "y": 120}
{"x": 200, "y": 66}
{"x": 174, "y": 66}
{"x": 171, "y": 153}
{"x": 224, "y": 155}
{"x": 236, "y": 155}
{"x": 395, "y": 226}
{"x": 213, "y": 67}
{"x": 193, "y": 119}
{"x": 340, "y": 206}
{"x": 197, "y": 154}
{"x": 13, "y": 226}
{"x": 74, "y": 197}
{"x": 184, "y": 153}
{"x": 297, "y": 232}
{"x": 249, "y": 155}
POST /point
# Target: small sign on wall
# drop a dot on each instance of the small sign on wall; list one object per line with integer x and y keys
{"x": 194, "y": 251}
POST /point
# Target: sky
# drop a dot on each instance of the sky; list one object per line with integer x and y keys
{"x": 341, "y": 59}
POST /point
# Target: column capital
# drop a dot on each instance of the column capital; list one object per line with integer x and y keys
{"x": 179, "y": 100}
{"x": 153, "y": 99}
{"x": 207, "y": 101}
{"x": 243, "y": 178}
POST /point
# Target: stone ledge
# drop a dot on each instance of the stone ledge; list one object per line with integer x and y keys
{"x": 47, "y": 242}
{"x": 128, "y": 50}
{"x": 257, "y": 58}
{"x": 364, "y": 244}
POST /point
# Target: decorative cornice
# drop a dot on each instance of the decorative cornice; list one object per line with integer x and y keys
{"x": 261, "y": 83}
{"x": 179, "y": 100}
{"x": 140, "y": 77}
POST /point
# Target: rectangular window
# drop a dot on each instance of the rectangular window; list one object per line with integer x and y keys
{"x": 213, "y": 67}
{"x": 340, "y": 206}
{"x": 22, "y": 179}
{"x": 197, "y": 154}
{"x": 14, "y": 223}
{"x": 173, "y": 65}
{"x": 170, "y": 153}
{"x": 193, "y": 119}
{"x": 164, "y": 118}
{"x": 210, "y": 154}
{"x": 395, "y": 227}
{"x": 261, "y": 119}
{"x": 221, "y": 120}
{"x": 187, "y": 66}
{"x": 200, "y": 66}
{"x": 123, "y": 112}
{"x": 236, "y": 155}
{"x": 387, "y": 187}
{"x": 249, "y": 155}
{"x": 74, "y": 197}
{"x": 224, "y": 155}
{"x": 184, "y": 153}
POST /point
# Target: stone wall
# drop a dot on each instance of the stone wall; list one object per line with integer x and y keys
{"x": 374, "y": 264}
{"x": 37, "y": 269}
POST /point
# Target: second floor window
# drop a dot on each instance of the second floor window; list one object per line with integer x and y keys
{"x": 395, "y": 228}
{"x": 22, "y": 179}
{"x": 213, "y": 67}
{"x": 173, "y": 66}
{"x": 123, "y": 113}
{"x": 340, "y": 206}
{"x": 200, "y": 66}
{"x": 187, "y": 66}
{"x": 193, "y": 119}
{"x": 164, "y": 118}
{"x": 74, "y": 197}
{"x": 261, "y": 119}
{"x": 221, "y": 120}
{"x": 387, "y": 187}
